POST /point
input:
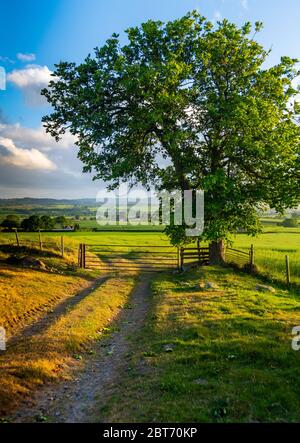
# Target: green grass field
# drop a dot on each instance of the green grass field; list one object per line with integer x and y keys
{"x": 270, "y": 247}
{"x": 231, "y": 358}
{"x": 92, "y": 238}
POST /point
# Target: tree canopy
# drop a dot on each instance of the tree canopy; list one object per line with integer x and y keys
{"x": 47, "y": 222}
{"x": 35, "y": 223}
{"x": 187, "y": 105}
{"x": 11, "y": 222}
{"x": 61, "y": 220}
{"x": 32, "y": 223}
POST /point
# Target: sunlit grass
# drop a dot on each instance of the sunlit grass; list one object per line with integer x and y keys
{"x": 51, "y": 354}
{"x": 270, "y": 249}
{"x": 92, "y": 238}
{"x": 231, "y": 357}
{"x": 27, "y": 294}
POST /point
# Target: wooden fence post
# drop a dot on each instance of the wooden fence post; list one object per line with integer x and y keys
{"x": 199, "y": 255}
{"x": 181, "y": 259}
{"x": 17, "y": 237}
{"x": 62, "y": 245}
{"x": 252, "y": 256}
{"x": 287, "y": 269}
{"x": 84, "y": 248}
{"x": 40, "y": 241}
{"x": 80, "y": 256}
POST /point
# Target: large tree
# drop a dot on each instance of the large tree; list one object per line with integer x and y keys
{"x": 11, "y": 222}
{"x": 47, "y": 222}
{"x": 187, "y": 105}
{"x": 31, "y": 224}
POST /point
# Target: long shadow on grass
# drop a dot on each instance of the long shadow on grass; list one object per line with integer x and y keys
{"x": 5, "y": 274}
{"x": 44, "y": 353}
{"x": 26, "y": 250}
{"x": 230, "y": 352}
{"x": 45, "y": 322}
{"x": 264, "y": 278}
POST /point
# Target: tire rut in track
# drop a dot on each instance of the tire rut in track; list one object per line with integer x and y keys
{"x": 78, "y": 400}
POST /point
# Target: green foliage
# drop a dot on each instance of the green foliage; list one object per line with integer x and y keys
{"x": 290, "y": 223}
{"x": 61, "y": 220}
{"x": 33, "y": 223}
{"x": 200, "y": 98}
{"x": 47, "y": 222}
{"x": 11, "y": 222}
{"x": 76, "y": 227}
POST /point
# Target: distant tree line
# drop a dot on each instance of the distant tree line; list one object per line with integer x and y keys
{"x": 34, "y": 223}
{"x": 290, "y": 223}
{"x": 54, "y": 212}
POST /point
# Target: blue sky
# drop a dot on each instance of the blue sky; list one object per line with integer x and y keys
{"x": 35, "y": 34}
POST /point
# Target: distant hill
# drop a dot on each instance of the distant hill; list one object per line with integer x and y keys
{"x": 46, "y": 202}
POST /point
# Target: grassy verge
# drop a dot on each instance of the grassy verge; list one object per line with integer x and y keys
{"x": 55, "y": 351}
{"x": 221, "y": 355}
{"x": 26, "y": 294}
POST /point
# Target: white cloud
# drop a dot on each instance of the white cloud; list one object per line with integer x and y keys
{"x": 26, "y": 58}
{"x": 30, "y": 75}
{"x": 31, "y": 80}
{"x": 23, "y": 158}
{"x": 35, "y": 138}
{"x": 244, "y": 4}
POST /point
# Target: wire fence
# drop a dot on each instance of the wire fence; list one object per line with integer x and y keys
{"x": 241, "y": 258}
{"x": 282, "y": 268}
{"x": 41, "y": 242}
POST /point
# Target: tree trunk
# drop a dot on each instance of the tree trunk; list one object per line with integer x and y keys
{"x": 217, "y": 252}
